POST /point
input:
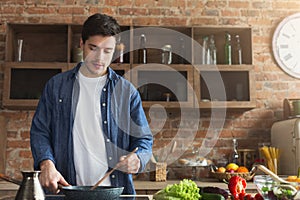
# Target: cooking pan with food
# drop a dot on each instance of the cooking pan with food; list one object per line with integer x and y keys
{"x": 81, "y": 192}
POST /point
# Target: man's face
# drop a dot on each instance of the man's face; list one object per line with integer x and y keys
{"x": 97, "y": 53}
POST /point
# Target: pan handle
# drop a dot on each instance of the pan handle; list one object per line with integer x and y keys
{"x": 9, "y": 179}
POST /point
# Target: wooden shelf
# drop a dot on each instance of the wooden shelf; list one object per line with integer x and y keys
{"x": 245, "y": 34}
{"x": 229, "y": 86}
{"x": 24, "y": 82}
{"x": 168, "y": 85}
{"x": 184, "y": 83}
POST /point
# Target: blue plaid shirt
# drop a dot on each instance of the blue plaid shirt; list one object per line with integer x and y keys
{"x": 125, "y": 126}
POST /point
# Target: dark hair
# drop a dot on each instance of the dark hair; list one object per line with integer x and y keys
{"x": 99, "y": 24}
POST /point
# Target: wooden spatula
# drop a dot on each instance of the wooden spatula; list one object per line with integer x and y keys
{"x": 112, "y": 170}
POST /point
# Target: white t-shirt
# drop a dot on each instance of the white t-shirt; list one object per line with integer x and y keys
{"x": 89, "y": 146}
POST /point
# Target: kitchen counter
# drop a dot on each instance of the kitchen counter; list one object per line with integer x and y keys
{"x": 8, "y": 190}
{"x": 150, "y": 187}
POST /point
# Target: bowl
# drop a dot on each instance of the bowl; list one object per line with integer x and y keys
{"x": 221, "y": 176}
{"x": 271, "y": 189}
{"x": 264, "y": 185}
{"x": 227, "y": 175}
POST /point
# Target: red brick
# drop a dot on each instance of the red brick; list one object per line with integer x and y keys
{"x": 12, "y": 134}
{"x": 231, "y": 21}
{"x": 141, "y": 3}
{"x": 34, "y": 20}
{"x": 139, "y": 21}
{"x": 27, "y": 164}
{"x": 204, "y": 21}
{"x": 229, "y": 13}
{"x": 64, "y": 10}
{"x": 133, "y": 11}
{"x": 18, "y": 144}
{"x": 25, "y": 154}
{"x": 39, "y": 10}
{"x": 25, "y": 134}
{"x": 216, "y": 4}
{"x": 201, "y": 133}
{"x": 56, "y": 19}
{"x": 154, "y": 11}
{"x": 123, "y": 3}
{"x": 238, "y": 4}
{"x": 283, "y": 4}
{"x": 250, "y": 13}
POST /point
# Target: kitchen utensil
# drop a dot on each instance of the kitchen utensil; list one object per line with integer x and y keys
{"x": 85, "y": 192}
{"x": 9, "y": 179}
{"x": 283, "y": 183}
{"x": 30, "y": 187}
{"x": 274, "y": 176}
{"x": 171, "y": 151}
{"x": 112, "y": 170}
{"x": 153, "y": 159}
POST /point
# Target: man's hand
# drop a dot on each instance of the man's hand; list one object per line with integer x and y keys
{"x": 131, "y": 165}
{"x": 50, "y": 177}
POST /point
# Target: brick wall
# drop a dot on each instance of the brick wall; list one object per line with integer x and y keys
{"x": 250, "y": 127}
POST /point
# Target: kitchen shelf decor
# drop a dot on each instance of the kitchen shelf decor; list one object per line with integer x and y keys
{"x": 173, "y": 76}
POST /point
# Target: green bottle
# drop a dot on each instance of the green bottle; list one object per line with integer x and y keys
{"x": 228, "y": 49}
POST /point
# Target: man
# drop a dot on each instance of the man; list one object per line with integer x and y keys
{"x": 89, "y": 118}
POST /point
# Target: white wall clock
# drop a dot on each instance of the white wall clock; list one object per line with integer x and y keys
{"x": 286, "y": 45}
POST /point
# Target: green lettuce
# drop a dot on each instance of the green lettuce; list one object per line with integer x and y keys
{"x": 185, "y": 190}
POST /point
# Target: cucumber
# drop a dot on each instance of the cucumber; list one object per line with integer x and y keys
{"x": 211, "y": 196}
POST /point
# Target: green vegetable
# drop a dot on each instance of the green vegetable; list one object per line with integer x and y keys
{"x": 211, "y": 196}
{"x": 185, "y": 190}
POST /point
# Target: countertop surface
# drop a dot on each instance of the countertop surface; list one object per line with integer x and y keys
{"x": 149, "y": 185}
{"x": 153, "y": 185}
{"x": 8, "y": 190}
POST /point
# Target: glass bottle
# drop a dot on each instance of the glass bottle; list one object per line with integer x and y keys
{"x": 166, "y": 55}
{"x": 77, "y": 54}
{"x": 19, "y": 50}
{"x": 182, "y": 51}
{"x": 142, "y": 51}
{"x": 237, "y": 51}
{"x": 228, "y": 51}
{"x": 212, "y": 51}
{"x": 204, "y": 50}
{"x": 235, "y": 155}
{"x": 120, "y": 53}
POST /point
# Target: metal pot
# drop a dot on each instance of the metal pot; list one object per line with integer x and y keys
{"x": 30, "y": 187}
{"x": 85, "y": 192}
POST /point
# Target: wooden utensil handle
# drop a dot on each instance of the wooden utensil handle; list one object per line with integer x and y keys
{"x": 112, "y": 170}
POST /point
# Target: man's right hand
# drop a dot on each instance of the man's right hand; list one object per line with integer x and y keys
{"x": 50, "y": 177}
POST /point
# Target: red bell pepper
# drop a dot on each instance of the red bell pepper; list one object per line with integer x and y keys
{"x": 237, "y": 186}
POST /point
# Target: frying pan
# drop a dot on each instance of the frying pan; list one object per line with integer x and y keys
{"x": 85, "y": 192}
{"x": 82, "y": 192}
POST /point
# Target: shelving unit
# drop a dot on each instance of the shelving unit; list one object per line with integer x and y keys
{"x": 180, "y": 84}
{"x": 24, "y": 82}
{"x": 225, "y": 86}
{"x": 170, "y": 86}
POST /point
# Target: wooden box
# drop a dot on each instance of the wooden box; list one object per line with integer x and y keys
{"x": 158, "y": 171}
